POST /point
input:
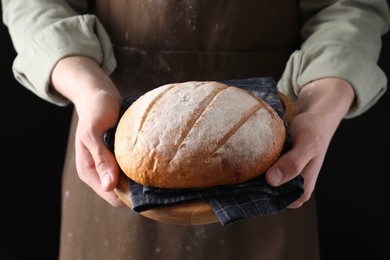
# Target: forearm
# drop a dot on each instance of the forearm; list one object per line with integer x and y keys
{"x": 44, "y": 32}
{"x": 342, "y": 40}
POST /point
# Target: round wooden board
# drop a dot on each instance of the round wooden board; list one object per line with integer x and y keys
{"x": 193, "y": 213}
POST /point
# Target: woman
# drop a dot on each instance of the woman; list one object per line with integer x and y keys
{"x": 323, "y": 54}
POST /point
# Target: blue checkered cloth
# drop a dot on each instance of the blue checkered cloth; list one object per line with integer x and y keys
{"x": 230, "y": 203}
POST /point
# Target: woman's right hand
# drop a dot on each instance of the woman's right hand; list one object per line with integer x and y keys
{"x": 97, "y": 102}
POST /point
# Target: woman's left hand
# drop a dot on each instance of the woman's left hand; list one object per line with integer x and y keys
{"x": 320, "y": 107}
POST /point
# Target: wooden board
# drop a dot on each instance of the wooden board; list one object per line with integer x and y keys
{"x": 194, "y": 213}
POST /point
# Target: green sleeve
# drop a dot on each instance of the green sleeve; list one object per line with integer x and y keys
{"x": 342, "y": 39}
{"x": 43, "y": 32}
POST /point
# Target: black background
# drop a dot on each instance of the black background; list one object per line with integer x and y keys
{"x": 352, "y": 190}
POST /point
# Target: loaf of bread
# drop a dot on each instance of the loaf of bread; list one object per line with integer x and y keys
{"x": 197, "y": 134}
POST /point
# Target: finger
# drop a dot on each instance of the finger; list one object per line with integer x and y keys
{"x": 307, "y": 144}
{"x": 106, "y": 166}
{"x": 107, "y": 169}
{"x": 88, "y": 174}
{"x": 310, "y": 174}
{"x": 289, "y": 165}
{"x": 101, "y": 160}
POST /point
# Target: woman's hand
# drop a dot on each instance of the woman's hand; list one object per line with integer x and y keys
{"x": 97, "y": 102}
{"x": 320, "y": 107}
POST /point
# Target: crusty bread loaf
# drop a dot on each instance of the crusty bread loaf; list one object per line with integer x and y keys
{"x": 197, "y": 134}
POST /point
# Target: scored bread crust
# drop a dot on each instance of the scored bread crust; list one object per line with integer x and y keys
{"x": 197, "y": 134}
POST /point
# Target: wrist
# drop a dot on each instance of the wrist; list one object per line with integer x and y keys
{"x": 78, "y": 78}
{"x": 328, "y": 95}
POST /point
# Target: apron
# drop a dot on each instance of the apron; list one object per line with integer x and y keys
{"x": 158, "y": 42}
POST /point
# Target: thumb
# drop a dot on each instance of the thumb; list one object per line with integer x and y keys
{"x": 106, "y": 167}
{"x": 287, "y": 167}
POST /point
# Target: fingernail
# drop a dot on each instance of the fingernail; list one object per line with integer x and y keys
{"x": 106, "y": 180}
{"x": 276, "y": 176}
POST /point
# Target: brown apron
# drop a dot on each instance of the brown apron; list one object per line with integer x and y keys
{"x": 158, "y": 42}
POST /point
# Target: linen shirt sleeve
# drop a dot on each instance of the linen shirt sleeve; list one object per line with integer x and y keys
{"x": 43, "y": 32}
{"x": 342, "y": 40}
